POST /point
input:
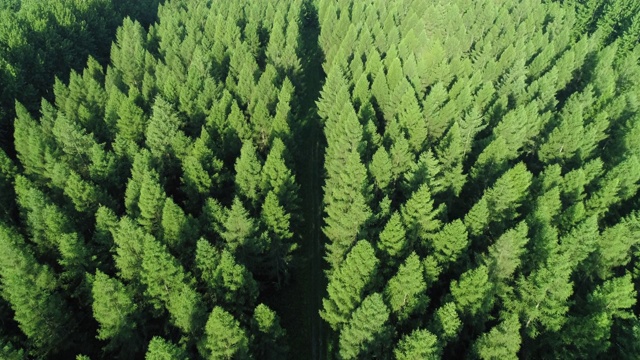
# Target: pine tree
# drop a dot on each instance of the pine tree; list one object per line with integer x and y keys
{"x": 419, "y": 216}
{"x": 248, "y": 170}
{"x": 450, "y": 154}
{"x": 129, "y": 238}
{"x": 225, "y": 339}
{"x": 161, "y": 349}
{"x": 504, "y": 255}
{"x": 279, "y": 236}
{"x": 502, "y": 342}
{"x": 446, "y": 323}
{"x": 346, "y": 208}
{"x": 405, "y": 292}
{"x": 367, "y": 331}
{"x": 7, "y": 195}
{"x": 30, "y": 142}
{"x": 419, "y": 344}
{"x": 498, "y": 205}
{"x": 178, "y": 229}
{"x": 151, "y": 203}
{"x": 168, "y": 286}
{"x": 115, "y": 310}
{"x": 32, "y": 291}
{"x": 450, "y": 242}
{"x": 393, "y": 241}
{"x": 239, "y": 229}
{"x": 232, "y": 284}
{"x": 164, "y": 136}
{"x": 590, "y": 334}
{"x": 544, "y": 296}
{"x": 381, "y": 169}
{"x": 473, "y": 291}
{"x": 348, "y": 284}
{"x": 269, "y": 336}
{"x": 277, "y": 177}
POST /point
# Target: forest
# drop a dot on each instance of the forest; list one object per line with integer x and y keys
{"x": 319, "y": 179}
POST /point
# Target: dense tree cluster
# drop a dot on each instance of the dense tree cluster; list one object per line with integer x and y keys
{"x": 154, "y": 199}
{"x": 43, "y": 39}
{"x": 481, "y": 177}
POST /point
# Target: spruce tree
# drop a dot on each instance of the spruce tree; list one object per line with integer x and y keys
{"x": 225, "y": 339}
{"x": 115, "y": 310}
{"x": 161, "y": 349}
{"x": 367, "y": 331}
{"x": 32, "y": 291}
{"x": 348, "y": 284}
{"x": 405, "y": 293}
{"x": 420, "y": 344}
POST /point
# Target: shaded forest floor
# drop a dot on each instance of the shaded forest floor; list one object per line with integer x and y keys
{"x": 298, "y": 304}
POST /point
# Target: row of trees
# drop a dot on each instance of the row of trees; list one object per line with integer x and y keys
{"x": 482, "y": 169}
{"x": 154, "y": 200}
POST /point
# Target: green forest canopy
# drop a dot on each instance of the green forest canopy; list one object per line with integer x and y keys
{"x": 479, "y": 197}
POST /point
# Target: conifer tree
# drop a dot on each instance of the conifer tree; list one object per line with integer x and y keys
{"x": 32, "y": 291}
{"x": 473, "y": 292}
{"x": 544, "y": 296}
{"x": 277, "y": 177}
{"x": 7, "y": 195}
{"x": 420, "y": 344}
{"x": 248, "y": 169}
{"x": 239, "y": 229}
{"x": 419, "y": 216}
{"x": 225, "y": 339}
{"x": 367, "y": 331}
{"x": 178, "y": 229}
{"x": 279, "y": 236}
{"x": 269, "y": 341}
{"x": 502, "y": 342}
{"x": 161, "y": 349}
{"x": 129, "y": 239}
{"x": 348, "y": 284}
{"x": 380, "y": 168}
{"x": 115, "y": 310}
{"x": 346, "y": 208}
{"x": 393, "y": 241}
{"x": 405, "y": 291}
{"x": 446, "y": 323}
{"x": 591, "y": 334}
{"x": 450, "y": 242}
{"x": 151, "y": 203}
{"x": 168, "y": 286}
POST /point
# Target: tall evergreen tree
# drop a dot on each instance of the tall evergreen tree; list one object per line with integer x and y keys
{"x": 367, "y": 331}
{"x": 225, "y": 338}
{"x": 348, "y": 284}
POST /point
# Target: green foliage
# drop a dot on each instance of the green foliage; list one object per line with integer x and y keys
{"x": 31, "y": 290}
{"x": 367, "y": 330}
{"x": 393, "y": 241}
{"x": 115, "y": 310}
{"x": 502, "y": 342}
{"x": 160, "y": 349}
{"x": 348, "y": 284}
{"x": 420, "y": 344}
{"x": 248, "y": 170}
{"x": 487, "y": 151}
{"x": 225, "y": 339}
{"x": 472, "y": 293}
{"x": 168, "y": 286}
{"x": 405, "y": 291}
{"x": 269, "y": 341}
